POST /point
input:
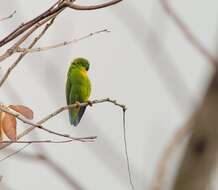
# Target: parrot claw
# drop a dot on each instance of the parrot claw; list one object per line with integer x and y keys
{"x": 89, "y": 103}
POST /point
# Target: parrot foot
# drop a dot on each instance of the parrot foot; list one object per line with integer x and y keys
{"x": 77, "y": 104}
{"x": 89, "y": 103}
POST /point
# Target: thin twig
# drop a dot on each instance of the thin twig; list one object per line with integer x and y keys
{"x": 15, "y": 46}
{"x": 11, "y": 68}
{"x": 51, "y": 11}
{"x": 8, "y": 17}
{"x": 53, "y": 114}
{"x": 187, "y": 32}
{"x": 25, "y": 26}
{"x": 91, "y": 7}
{"x": 126, "y": 150}
{"x": 39, "y": 125}
{"x": 60, "y": 44}
{"x": 59, "y": 110}
{"x": 39, "y": 141}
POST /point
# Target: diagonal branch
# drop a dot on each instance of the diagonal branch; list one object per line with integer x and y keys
{"x": 5, "y": 109}
{"x": 187, "y": 32}
{"x": 15, "y": 46}
{"x": 6, "y": 75}
{"x": 53, "y": 114}
{"x": 91, "y": 7}
{"x": 51, "y": 11}
{"x": 25, "y": 26}
{"x": 38, "y": 141}
{"x": 65, "y": 43}
{"x": 16, "y": 152}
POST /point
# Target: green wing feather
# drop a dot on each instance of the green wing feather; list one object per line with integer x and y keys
{"x": 68, "y": 87}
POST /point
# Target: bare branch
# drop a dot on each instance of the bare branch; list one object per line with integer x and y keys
{"x": 25, "y": 26}
{"x": 59, "y": 110}
{"x": 187, "y": 32}
{"x": 65, "y": 43}
{"x": 14, "y": 48}
{"x": 8, "y": 17}
{"x": 53, "y": 114}
{"x": 38, "y": 125}
{"x": 38, "y": 141}
{"x": 91, "y": 7}
{"x": 51, "y": 11}
{"x": 11, "y": 68}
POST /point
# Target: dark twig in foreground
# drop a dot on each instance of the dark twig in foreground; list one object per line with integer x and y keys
{"x": 43, "y": 157}
{"x": 16, "y": 152}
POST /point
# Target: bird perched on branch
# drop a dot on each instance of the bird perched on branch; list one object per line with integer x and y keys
{"x": 78, "y": 88}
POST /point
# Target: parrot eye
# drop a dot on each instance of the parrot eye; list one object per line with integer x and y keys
{"x": 87, "y": 67}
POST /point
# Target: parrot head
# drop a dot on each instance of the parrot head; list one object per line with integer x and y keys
{"x": 80, "y": 63}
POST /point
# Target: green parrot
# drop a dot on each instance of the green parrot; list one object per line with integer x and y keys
{"x": 78, "y": 88}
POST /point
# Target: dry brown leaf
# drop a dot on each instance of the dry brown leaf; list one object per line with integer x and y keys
{"x": 0, "y": 134}
{"x": 25, "y": 111}
{"x": 8, "y": 123}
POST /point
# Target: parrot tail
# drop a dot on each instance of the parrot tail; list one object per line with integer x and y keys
{"x": 75, "y": 119}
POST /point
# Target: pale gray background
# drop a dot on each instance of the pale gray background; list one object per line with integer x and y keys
{"x": 145, "y": 63}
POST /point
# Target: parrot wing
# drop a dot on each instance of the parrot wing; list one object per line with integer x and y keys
{"x": 70, "y": 100}
{"x": 68, "y": 89}
{"x": 75, "y": 114}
